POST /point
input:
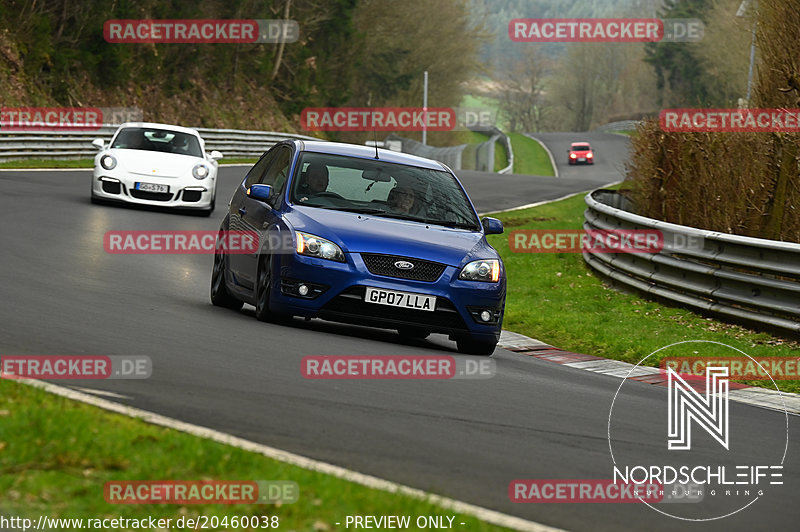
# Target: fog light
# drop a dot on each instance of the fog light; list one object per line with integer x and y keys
{"x": 486, "y": 315}
{"x": 302, "y": 290}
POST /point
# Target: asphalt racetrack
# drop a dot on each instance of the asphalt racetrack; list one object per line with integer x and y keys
{"x": 63, "y": 294}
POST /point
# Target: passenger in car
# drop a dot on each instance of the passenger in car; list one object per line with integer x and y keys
{"x": 403, "y": 200}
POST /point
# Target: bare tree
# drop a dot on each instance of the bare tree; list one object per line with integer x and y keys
{"x": 521, "y": 98}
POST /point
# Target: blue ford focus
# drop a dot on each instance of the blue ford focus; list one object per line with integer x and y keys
{"x": 358, "y": 235}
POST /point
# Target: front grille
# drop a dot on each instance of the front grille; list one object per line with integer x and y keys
{"x": 349, "y": 306}
{"x": 152, "y": 196}
{"x": 423, "y": 270}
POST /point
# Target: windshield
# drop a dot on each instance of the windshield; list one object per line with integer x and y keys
{"x": 581, "y": 147}
{"x": 161, "y": 140}
{"x": 380, "y": 188}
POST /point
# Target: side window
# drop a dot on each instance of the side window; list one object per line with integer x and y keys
{"x": 259, "y": 169}
{"x": 278, "y": 171}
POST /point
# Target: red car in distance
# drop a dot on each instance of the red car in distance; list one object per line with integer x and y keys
{"x": 580, "y": 153}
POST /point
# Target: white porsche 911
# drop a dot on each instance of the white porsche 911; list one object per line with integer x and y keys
{"x": 156, "y": 164}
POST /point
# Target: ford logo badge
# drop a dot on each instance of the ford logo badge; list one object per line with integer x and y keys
{"x": 403, "y": 265}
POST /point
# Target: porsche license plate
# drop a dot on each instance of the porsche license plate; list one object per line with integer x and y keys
{"x": 152, "y": 187}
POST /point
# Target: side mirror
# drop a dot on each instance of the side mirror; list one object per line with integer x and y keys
{"x": 568, "y": 150}
{"x": 216, "y": 155}
{"x": 492, "y": 226}
{"x": 260, "y": 192}
{"x": 98, "y": 143}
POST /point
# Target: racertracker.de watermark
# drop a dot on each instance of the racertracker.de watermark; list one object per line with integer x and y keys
{"x": 395, "y": 118}
{"x": 201, "y": 31}
{"x": 395, "y": 367}
{"x": 75, "y": 367}
{"x": 201, "y": 492}
{"x": 599, "y": 491}
{"x": 40, "y": 118}
{"x": 757, "y": 368}
{"x": 188, "y": 242}
{"x": 65, "y": 118}
{"x": 602, "y": 241}
{"x": 580, "y": 240}
{"x": 620, "y": 30}
{"x": 730, "y": 120}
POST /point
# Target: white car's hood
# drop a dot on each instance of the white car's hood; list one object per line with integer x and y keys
{"x": 156, "y": 164}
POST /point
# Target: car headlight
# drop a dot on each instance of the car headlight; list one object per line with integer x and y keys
{"x": 481, "y": 270}
{"x": 200, "y": 171}
{"x": 314, "y": 246}
{"x": 108, "y": 162}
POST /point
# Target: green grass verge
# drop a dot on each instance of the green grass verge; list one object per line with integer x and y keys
{"x": 529, "y": 156}
{"x": 57, "y": 454}
{"x": 500, "y": 156}
{"x": 48, "y": 163}
{"x": 557, "y": 299}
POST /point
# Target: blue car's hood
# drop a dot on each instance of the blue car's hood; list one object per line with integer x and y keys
{"x": 363, "y": 233}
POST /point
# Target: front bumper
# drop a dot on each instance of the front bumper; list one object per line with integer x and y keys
{"x": 184, "y": 194}
{"x": 337, "y": 294}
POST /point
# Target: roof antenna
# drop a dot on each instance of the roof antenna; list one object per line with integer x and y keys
{"x": 375, "y": 137}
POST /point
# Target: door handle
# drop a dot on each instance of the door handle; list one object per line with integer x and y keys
{"x": 242, "y": 211}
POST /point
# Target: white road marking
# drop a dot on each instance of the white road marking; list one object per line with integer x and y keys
{"x": 101, "y": 393}
{"x": 484, "y": 514}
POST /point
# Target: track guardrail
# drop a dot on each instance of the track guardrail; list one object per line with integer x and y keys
{"x": 738, "y": 277}
{"x": 485, "y": 152}
{"x": 622, "y": 125}
{"x": 449, "y": 155}
{"x": 54, "y": 144}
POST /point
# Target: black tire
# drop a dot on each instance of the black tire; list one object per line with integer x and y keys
{"x": 409, "y": 331}
{"x": 220, "y": 296}
{"x": 468, "y": 346}
{"x": 263, "y": 281}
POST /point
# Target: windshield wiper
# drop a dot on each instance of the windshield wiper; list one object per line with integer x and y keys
{"x": 359, "y": 210}
{"x": 457, "y": 225}
{"x": 445, "y": 223}
{"x": 399, "y": 216}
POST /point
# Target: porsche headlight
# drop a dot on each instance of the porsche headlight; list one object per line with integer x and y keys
{"x": 108, "y": 162}
{"x": 314, "y": 246}
{"x": 200, "y": 171}
{"x": 481, "y": 270}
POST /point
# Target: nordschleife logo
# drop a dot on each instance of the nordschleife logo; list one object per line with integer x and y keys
{"x": 712, "y": 455}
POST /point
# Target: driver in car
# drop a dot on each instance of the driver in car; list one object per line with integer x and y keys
{"x": 316, "y": 180}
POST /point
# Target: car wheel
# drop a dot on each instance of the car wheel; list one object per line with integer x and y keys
{"x": 468, "y": 346}
{"x": 413, "y": 332}
{"x": 220, "y": 296}
{"x": 263, "y": 281}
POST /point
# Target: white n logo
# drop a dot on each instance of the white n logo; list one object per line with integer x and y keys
{"x": 685, "y": 405}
